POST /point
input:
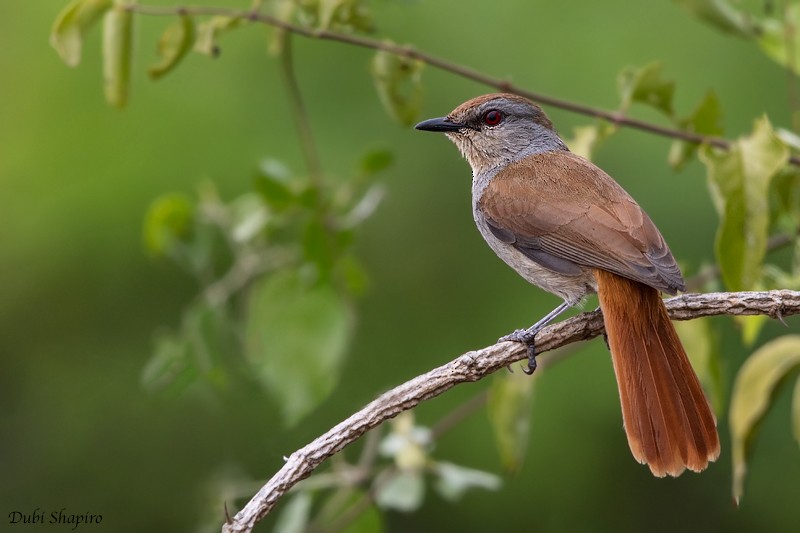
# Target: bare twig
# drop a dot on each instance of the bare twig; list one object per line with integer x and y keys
{"x": 473, "y": 366}
{"x": 454, "y": 68}
{"x": 304, "y": 130}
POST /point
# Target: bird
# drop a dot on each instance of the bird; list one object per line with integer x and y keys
{"x": 566, "y": 226}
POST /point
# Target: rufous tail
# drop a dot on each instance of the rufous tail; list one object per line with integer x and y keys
{"x": 666, "y": 415}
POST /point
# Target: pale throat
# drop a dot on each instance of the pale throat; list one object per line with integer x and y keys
{"x": 487, "y": 154}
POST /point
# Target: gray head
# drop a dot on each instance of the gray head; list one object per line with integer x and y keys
{"x": 495, "y": 129}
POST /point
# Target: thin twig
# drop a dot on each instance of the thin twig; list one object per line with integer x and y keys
{"x": 473, "y": 366}
{"x": 300, "y": 114}
{"x": 454, "y": 68}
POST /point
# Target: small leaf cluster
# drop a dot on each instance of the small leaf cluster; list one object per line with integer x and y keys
{"x": 363, "y": 491}
{"x": 276, "y": 275}
{"x": 184, "y": 35}
{"x": 768, "y": 29}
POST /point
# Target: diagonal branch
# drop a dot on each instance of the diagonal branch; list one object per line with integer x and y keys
{"x": 613, "y": 117}
{"x": 475, "y": 365}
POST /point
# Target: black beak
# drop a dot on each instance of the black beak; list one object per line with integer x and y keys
{"x": 439, "y": 124}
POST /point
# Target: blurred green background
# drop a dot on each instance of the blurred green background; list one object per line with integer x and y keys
{"x": 80, "y": 301}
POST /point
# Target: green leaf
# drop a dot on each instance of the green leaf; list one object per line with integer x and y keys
{"x": 454, "y": 480}
{"x": 796, "y": 411}
{"x": 317, "y": 246}
{"x": 645, "y": 85}
{"x": 248, "y": 217}
{"x": 739, "y": 180}
{"x": 586, "y": 139}
{"x": 71, "y": 26}
{"x": 272, "y": 181}
{"x": 404, "y": 492}
{"x": 703, "y": 347}
{"x": 209, "y": 31}
{"x": 376, "y": 161}
{"x": 751, "y": 327}
{"x": 174, "y": 44}
{"x": 296, "y": 338}
{"x": 722, "y": 15}
{"x": 785, "y": 199}
{"x": 171, "y": 368}
{"x": 339, "y": 15}
{"x": 327, "y": 10}
{"x": 168, "y": 220}
{"x": 294, "y": 516}
{"x": 117, "y": 54}
{"x": 789, "y": 138}
{"x": 346, "y": 506}
{"x": 197, "y": 352}
{"x": 752, "y": 395}
{"x": 778, "y": 38}
{"x": 370, "y": 520}
{"x": 706, "y": 119}
{"x": 509, "y": 412}
{"x": 355, "y": 278}
{"x": 398, "y": 82}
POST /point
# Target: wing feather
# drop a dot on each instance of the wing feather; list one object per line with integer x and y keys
{"x": 565, "y": 213}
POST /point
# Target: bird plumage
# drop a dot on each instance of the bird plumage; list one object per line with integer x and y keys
{"x": 566, "y": 226}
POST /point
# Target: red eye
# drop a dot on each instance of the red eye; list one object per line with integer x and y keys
{"x": 492, "y": 118}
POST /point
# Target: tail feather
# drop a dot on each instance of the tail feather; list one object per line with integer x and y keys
{"x": 667, "y": 418}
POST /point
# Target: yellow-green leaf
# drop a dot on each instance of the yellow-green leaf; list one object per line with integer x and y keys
{"x": 739, "y": 180}
{"x": 722, "y": 15}
{"x": 706, "y": 119}
{"x": 752, "y": 394}
{"x": 398, "y": 81}
{"x": 169, "y": 219}
{"x": 209, "y": 31}
{"x": 785, "y": 200}
{"x": 328, "y": 9}
{"x": 174, "y": 44}
{"x": 702, "y": 346}
{"x": 796, "y": 411}
{"x": 72, "y": 24}
{"x": 117, "y": 54}
{"x": 645, "y": 85}
{"x": 509, "y": 411}
{"x": 346, "y": 506}
{"x": 778, "y": 39}
{"x": 586, "y": 139}
{"x": 751, "y": 327}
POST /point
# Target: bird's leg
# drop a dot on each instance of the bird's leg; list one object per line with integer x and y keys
{"x": 528, "y": 336}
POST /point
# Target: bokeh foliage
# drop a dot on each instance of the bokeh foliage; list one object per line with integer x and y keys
{"x": 275, "y": 265}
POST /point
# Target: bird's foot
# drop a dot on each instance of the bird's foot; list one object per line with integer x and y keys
{"x": 528, "y": 338}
